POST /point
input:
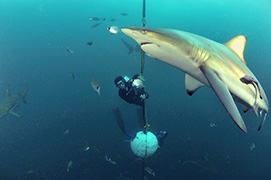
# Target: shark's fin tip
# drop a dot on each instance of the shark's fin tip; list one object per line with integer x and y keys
{"x": 191, "y": 84}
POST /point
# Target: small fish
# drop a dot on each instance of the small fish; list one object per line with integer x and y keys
{"x": 112, "y": 20}
{"x": 66, "y": 132}
{"x": 69, "y": 166}
{"x": 251, "y": 145}
{"x": 150, "y": 171}
{"x": 95, "y": 86}
{"x": 212, "y": 124}
{"x": 114, "y": 29}
{"x": 30, "y": 172}
{"x": 123, "y": 14}
{"x": 86, "y": 148}
{"x": 95, "y": 25}
{"x": 108, "y": 159}
{"x": 94, "y": 19}
{"x": 89, "y": 43}
{"x": 73, "y": 77}
{"x": 69, "y": 50}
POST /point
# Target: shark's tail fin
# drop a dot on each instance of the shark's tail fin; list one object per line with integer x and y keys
{"x": 23, "y": 95}
{"x": 129, "y": 46}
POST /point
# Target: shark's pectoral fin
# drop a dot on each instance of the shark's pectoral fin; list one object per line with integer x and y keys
{"x": 129, "y": 47}
{"x": 225, "y": 97}
{"x": 15, "y": 114}
{"x": 191, "y": 84}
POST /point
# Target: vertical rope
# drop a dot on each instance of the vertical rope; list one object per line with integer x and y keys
{"x": 144, "y": 107}
{"x": 145, "y": 119}
{"x": 144, "y": 13}
{"x": 143, "y": 24}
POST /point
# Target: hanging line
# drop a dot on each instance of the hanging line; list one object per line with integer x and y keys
{"x": 145, "y": 118}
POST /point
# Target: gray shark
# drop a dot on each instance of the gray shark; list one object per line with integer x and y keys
{"x": 11, "y": 102}
{"x": 207, "y": 63}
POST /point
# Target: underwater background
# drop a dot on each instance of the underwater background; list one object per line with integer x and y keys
{"x": 63, "y": 115}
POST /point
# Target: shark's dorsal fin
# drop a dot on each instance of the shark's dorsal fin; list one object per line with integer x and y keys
{"x": 191, "y": 84}
{"x": 237, "y": 44}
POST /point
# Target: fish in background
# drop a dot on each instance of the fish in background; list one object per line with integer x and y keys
{"x": 251, "y": 145}
{"x": 69, "y": 166}
{"x": 66, "y": 132}
{"x": 95, "y": 25}
{"x": 69, "y": 50}
{"x": 150, "y": 171}
{"x": 90, "y": 43}
{"x": 95, "y": 86}
{"x": 73, "y": 77}
{"x": 108, "y": 159}
{"x": 123, "y": 14}
{"x": 96, "y": 19}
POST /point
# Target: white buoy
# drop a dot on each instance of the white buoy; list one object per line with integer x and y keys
{"x": 144, "y": 144}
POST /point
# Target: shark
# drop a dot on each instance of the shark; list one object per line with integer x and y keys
{"x": 208, "y": 63}
{"x": 10, "y": 102}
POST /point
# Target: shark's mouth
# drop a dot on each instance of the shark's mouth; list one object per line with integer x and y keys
{"x": 146, "y": 43}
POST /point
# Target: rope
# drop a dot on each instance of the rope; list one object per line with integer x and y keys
{"x": 144, "y": 13}
{"x": 145, "y": 119}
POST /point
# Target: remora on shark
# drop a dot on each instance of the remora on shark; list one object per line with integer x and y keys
{"x": 207, "y": 63}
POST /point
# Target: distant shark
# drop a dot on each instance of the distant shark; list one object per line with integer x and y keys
{"x": 207, "y": 63}
{"x": 11, "y": 102}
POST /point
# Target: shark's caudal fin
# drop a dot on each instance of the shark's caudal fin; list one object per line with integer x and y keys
{"x": 23, "y": 95}
{"x": 225, "y": 97}
{"x": 129, "y": 46}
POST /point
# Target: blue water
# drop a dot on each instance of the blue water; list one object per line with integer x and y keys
{"x": 33, "y": 40}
